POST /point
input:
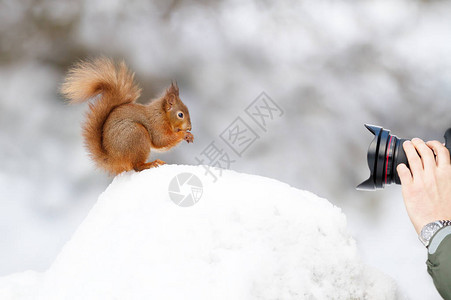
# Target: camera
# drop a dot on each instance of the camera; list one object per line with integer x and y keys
{"x": 385, "y": 153}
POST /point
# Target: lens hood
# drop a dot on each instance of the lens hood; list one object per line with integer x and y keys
{"x": 384, "y": 154}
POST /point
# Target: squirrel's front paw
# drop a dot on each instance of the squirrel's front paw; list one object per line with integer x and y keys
{"x": 189, "y": 137}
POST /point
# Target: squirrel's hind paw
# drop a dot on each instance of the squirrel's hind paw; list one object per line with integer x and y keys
{"x": 153, "y": 164}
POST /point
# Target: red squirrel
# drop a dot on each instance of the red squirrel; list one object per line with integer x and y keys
{"x": 118, "y": 132}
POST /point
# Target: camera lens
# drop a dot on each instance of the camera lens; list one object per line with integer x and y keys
{"x": 384, "y": 155}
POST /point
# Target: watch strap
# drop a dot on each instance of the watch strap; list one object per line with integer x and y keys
{"x": 426, "y": 235}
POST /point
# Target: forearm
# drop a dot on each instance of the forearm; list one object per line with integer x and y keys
{"x": 439, "y": 261}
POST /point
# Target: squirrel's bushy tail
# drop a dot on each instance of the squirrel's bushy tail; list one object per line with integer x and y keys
{"x": 114, "y": 84}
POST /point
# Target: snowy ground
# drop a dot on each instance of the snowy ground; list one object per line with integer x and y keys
{"x": 248, "y": 237}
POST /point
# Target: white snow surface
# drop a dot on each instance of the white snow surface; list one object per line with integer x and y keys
{"x": 249, "y": 237}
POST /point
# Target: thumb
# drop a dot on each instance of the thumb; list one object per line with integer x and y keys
{"x": 404, "y": 174}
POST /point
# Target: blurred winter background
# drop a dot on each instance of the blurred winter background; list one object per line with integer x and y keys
{"x": 330, "y": 65}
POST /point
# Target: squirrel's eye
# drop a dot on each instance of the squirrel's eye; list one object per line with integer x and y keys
{"x": 180, "y": 115}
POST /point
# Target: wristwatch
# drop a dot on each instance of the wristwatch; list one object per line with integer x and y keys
{"x": 428, "y": 231}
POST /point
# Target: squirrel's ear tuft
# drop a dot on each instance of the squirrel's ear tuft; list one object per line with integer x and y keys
{"x": 173, "y": 89}
{"x": 171, "y": 96}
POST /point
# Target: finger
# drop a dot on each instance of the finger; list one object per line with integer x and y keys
{"x": 404, "y": 174}
{"x": 441, "y": 152}
{"x": 427, "y": 156}
{"x": 416, "y": 166}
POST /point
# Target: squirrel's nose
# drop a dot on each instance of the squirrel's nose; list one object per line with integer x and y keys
{"x": 189, "y": 128}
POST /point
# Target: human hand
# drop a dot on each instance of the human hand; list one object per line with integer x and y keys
{"x": 426, "y": 187}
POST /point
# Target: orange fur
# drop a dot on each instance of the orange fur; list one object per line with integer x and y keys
{"x": 118, "y": 132}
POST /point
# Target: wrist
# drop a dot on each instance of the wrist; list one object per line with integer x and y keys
{"x": 429, "y": 230}
{"x": 420, "y": 224}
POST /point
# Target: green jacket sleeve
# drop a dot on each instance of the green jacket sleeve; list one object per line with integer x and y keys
{"x": 439, "y": 261}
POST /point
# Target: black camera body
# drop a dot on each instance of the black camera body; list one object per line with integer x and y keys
{"x": 385, "y": 153}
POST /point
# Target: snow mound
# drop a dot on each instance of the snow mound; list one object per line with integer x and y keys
{"x": 248, "y": 237}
